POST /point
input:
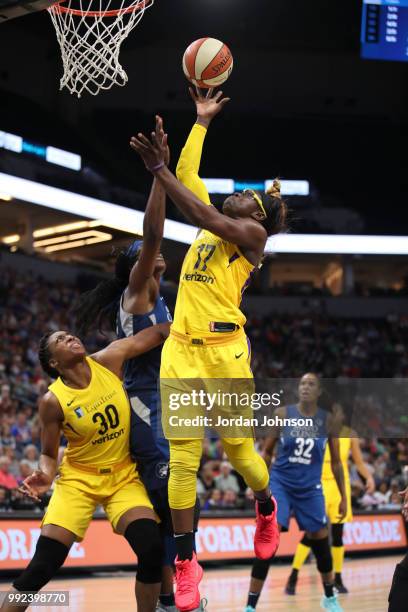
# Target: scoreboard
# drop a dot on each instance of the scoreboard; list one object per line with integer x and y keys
{"x": 384, "y": 31}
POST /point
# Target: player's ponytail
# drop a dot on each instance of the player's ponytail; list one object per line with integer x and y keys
{"x": 275, "y": 208}
{"x": 275, "y": 189}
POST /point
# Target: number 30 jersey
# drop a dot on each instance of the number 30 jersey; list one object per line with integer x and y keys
{"x": 96, "y": 419}
{"x": 300, "y": 453}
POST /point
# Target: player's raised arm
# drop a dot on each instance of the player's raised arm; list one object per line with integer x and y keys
{"x": 114, "y": 355}
{"x": 51, "y": 418}
{"x": 246, "y": 232}
{"x": 188, "y": 166}
{"x": 153, "y": 224}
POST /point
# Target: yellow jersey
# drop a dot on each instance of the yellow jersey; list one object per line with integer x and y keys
{"x": 345, "y": 446}
{"x": 96, "y": 419}
{"x": 215, "y": 273}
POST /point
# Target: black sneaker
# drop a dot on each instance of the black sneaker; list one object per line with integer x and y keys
{"x": 290, "y": 588}
{"x": 339, "y": 586}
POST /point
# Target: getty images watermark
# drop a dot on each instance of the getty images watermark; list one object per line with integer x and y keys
{"x": 227, "y": 409}
{"x": 358, "y": 407}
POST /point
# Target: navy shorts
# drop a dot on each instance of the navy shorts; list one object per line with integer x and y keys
{"x": 306, "y": 505}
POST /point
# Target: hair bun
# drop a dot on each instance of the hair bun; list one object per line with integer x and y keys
{"x": 275, "y": 189}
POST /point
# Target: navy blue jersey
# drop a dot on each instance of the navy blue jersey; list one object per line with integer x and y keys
{"x": 300, "y": 453}
{"x": 142, "y": 373}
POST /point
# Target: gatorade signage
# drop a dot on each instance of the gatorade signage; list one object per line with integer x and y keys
{"x": 217, "y": 539}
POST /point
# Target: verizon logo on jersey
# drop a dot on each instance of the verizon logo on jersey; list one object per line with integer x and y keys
{"x": 108, "y": 437}
{"x": 200, "y": 278}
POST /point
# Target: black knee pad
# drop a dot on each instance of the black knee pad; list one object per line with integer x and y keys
{"x": 398, "y": 596}
{"x": 337, "y": 534}
{"x": 260, "y": 568}
{"x": 321, "y": 550}
{"x": 306, "y": 541}
{"x": 144, "y": 537}
{"x": 49, "y": 556}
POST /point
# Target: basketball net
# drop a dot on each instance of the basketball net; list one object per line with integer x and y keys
{"x": 90, "y": 38}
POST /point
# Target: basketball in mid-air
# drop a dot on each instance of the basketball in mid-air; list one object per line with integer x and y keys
{"x": 207, "y": 62}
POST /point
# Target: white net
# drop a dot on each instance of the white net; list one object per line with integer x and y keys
{"x": 90, "y": 34}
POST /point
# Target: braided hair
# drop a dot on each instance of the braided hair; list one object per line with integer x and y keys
{"x": 100, "y": 305}
{"x": 44, "y": 355}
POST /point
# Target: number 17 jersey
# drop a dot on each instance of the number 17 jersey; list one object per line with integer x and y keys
{"x": 300, "y": 452}
{"x": 96, "y": 419}
{"x": 213, "y": 278}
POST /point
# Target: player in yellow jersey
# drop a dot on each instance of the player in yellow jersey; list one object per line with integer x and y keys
{"x": 88, "y": 404}
{"x": 207, "y": 339}
{"x": 348, "y": 446}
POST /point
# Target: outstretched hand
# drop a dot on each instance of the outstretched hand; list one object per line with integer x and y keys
{"x": 208, "y": 106}
{"x": 154, "y": 152}
{"x": 36, "y": 485}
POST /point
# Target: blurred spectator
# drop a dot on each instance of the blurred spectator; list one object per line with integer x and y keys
{"x": 214, "y": 501}
{"x": 25, "y": 471}
{"x": 21, "y": 430}
{"x": 382, "y": 495}
{"x": 31, "y": 455}
{"x": 206, "y": 477}
{"x": 230, "y": 499}
{"x": 7, "y": 440}
{"x": 226, "y": 481}
{"x": 11, "y": 454}
{"x": 7, "y": 480}
{"x": 4, "y": 499}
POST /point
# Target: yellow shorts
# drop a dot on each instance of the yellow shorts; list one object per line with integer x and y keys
{"x": 219, "y": 367}
{"x": 77, "y": 494}
{"x": 332, "y": 499}
{"x": 224, "y": 356}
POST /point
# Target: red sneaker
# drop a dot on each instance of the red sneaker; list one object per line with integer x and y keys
{"x": 188, "y": 576}
{"x": 266, "y": 540}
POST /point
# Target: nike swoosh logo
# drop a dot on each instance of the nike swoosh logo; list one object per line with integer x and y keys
{"x": 71, "y": 402}
{"x": 238, "y": 356}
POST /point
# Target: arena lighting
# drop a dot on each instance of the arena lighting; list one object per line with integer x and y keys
{"x": 67, "y": 227}
{"x": 11, "y": 239}
{"x": 71, "y": 237}
{"x": 17, "y": 144}
{"x": 228, "y": 186}
{"x": 131, "y": 222}
{"x": 76, "y": 244}
{"x": 107, "y": 214}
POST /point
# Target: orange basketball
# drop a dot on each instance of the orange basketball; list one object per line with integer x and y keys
{"x": 207, "y": 62}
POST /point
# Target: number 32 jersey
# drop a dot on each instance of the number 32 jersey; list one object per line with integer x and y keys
{"x": 96, "y": 419}
{"x": 300, "y": 453}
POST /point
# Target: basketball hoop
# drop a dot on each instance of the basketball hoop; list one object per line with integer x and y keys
{"x": 90, "y": 33}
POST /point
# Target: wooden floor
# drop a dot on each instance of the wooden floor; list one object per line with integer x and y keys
{"x": 226, "y": 589}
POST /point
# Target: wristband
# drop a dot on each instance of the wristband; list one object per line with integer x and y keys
{"x": 158, "y": 167}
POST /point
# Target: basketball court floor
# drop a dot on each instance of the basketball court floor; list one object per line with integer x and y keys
{"x": 225, "y": 588}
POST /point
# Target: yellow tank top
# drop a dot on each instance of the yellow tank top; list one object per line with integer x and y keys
{"x": 96, "y": 419}
{"x": 345, "y": 445}
{"x": 212, "y": 280}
